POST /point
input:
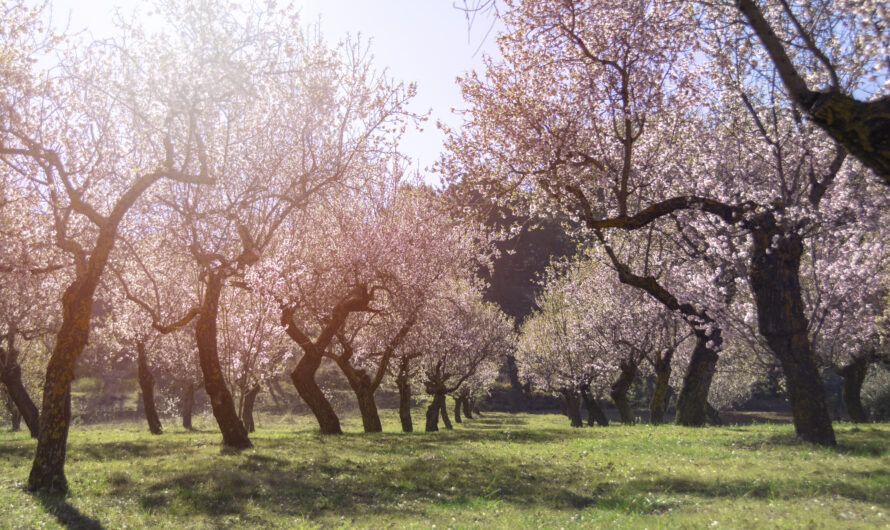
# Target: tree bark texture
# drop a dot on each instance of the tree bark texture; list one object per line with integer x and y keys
{"x": 147, "y": 385}
{"x": 619, "y": 390}
{"x": 444, "y": 411}
{"x": 432, "y": 412}
{"x": 221, "y": 402}
{"x": 404, "y": 387}
{"x": 853, "y": 375}
{"x": 11, "y": 376}
{"x": 303, "y": 378}
{"x": 692, "y": 403}
{"x": 247, "y": 407}
{"x": 775, "y": 283}
{"x": 573, "y": 406}
{"x": 660, "y": 393}
{"x": 595, "y": 414}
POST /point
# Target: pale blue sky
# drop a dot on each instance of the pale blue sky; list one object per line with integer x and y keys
{"x": 424, "y": 41}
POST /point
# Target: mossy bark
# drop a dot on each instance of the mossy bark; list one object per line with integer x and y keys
{"x": 775, "y": 283}
{"x": 147, "y": 385}
{"x": 221, "y": 402}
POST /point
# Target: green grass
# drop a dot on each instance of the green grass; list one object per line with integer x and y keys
{"x": 501, "y": 471}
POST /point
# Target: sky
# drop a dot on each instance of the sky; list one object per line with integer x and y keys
{"x": 424, "y": 41}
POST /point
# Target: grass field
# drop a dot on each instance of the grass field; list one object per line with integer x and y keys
{"x": 499, "y": 471}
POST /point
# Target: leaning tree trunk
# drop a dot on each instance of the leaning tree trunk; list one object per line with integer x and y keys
{"x": 188, "y": 405}
{"x": 12, "y": 378}
{"x": 659, "y": 394}
{"x": 48, "y": 468}
{"x": 853, "y": 375}
{"x": 775, "y": 283}
{"x": 303, "y": 378}
{"x": 573, "y": 406}
{"x": 221, "y": 402}
{"x": 444, "y": 411}
{"x": 468, "y": 410}
{"x": 432, "y": 412}
{"x": 458, "y": 401}
{"x": 692, "y": 403}
{"x": 404, "y": 387}
{"x": 147, "y": 384}
{"x": 594, "y": 413}
{"x": 247, "y": 408}
{"x": 619, "y": 390}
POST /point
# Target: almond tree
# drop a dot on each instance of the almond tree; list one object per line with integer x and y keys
{"x": 626, "y": 117}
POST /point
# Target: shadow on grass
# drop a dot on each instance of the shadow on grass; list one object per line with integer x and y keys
{"x": 66, "y": 515}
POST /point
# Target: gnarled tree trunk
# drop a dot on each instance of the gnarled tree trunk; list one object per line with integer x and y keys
{"x": 573, "y": 406}
{"x": 619, "y": 390}
{"x": 775, "y": 283}
{"x": 692, "y": 403}
{"x": 432, "y": 412}
{"x": 247, "y": 408}
{"x": 221, "y": 402}
{"x": 404, "y": 387}
{"x": 659, "y": 394}
{"x": 853, "y": 375}
{"x": 147, "y": 384}
{"x": 11, "y": 376}
{"x": 303, "y": 377}
{"x": 595, "y": 414}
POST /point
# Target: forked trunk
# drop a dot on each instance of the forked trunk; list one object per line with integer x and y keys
{"x": 444, "y": 411}
{"x": 303, "y": 378}
{"x": 221, "y": 402}
{"x": 188, "y": 405}
{"x": 147, "y": 384}
{"x": 404, "y": 387}
{"x": 660, "y": 393}
{"x": 432, "y": 412}
{"x": 775, "y": 283}
{"x": 247, "y": 408}
{"x": 24, "y": 407}
{"x": 619, "y": 390}
{"x": 853, "y": 375}
{"x": 595, "y": 414}
{"x": 573, "y": 406}
{"x": 692, "y": 403}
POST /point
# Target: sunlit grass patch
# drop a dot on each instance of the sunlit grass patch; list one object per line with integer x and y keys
{"x": 500, "y": 470}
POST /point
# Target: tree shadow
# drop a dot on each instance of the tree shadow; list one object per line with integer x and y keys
{"x": 65, "y": 514}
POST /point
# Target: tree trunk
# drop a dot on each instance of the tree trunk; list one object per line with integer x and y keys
{"x": 247, "y": 408}
{"x": 147, "y": 384}
{"x": 468, "y": 411}
{"x": 513, "y": 374}
{"x": 853, "y": 375}
{"x": 692, "y": 403}
{"x": 188, "y": 405}
{"x": 444, "y": 411}
{"x": 303, "y": 378}
{"x": 619, "y": 391}
{"x": 404, "y": 387}
{"x": 458, "y": 401}
{"x": 594, "y": 412}
{"x": 16, "y": 418}
{"x": 659, "y": 394}
{"x": 573, "y": 406}
{"x": 432, "y": 412}
{"x": 12, "y": 379}
{"x": 48, "y": 468}
{"x": 221, "y": 402}
{"x": 368, "y": 408}
{"x": 775, "y": 283}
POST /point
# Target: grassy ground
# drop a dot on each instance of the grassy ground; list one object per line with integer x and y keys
{"x": 516, "y": 471}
